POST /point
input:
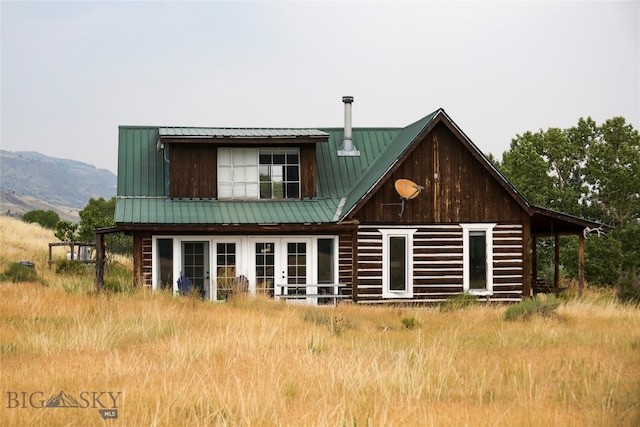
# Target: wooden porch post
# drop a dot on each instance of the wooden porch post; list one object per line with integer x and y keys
{"x": 580, "y": 264}
{"x": 137, "y": 260}
{"x": 99, "y": 262}
{"x": 556, "y": 267}
{"x": 526, "y": 260}
{"x": 534, "y": 260}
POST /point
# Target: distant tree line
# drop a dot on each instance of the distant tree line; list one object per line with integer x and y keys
{"x": 591, "y": 171}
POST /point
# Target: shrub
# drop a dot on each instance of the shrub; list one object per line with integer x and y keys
{"x": 544, "y": 306}
{"x": 628, "y": 288}
{"x": 521, "y": 310}
{"x": 70, "y": 267}
{"x": 458, "y": 302}
{"x": 410, "y": 323}
{"x": 47, "y": 219}
{"x": 20, "y": 272}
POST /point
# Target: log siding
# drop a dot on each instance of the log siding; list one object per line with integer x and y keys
{"x": 437, "y": 263}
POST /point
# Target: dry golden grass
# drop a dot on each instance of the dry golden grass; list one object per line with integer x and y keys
{"x": 252, "y": 361}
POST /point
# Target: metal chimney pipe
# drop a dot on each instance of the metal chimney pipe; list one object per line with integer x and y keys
{"x": 347, "y": 148}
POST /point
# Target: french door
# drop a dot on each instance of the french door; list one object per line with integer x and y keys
{"x": 282, "y": 267}
{"x": 296, "y": 268}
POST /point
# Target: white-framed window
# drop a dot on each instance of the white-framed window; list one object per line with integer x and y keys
{"x": 259, "y": 173}
{"x": 397, "y": 263}
{"x": 477, "y": 258}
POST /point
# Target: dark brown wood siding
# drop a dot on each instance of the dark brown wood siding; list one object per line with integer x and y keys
{"x": 308, "y": 171}
{"x": 458, "y": 188}
{"x": 345, "y": 261}
{"x": 193, "y": 170}
{"x": 508, "y": 263}
{"x": 437, "y": 263}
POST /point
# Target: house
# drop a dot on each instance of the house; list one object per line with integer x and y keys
{"x": 413, "y": 214}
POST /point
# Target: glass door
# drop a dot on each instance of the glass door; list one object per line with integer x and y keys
{"x": 227, "y": 280}
{"x": 282, "y": 267}
{"x": 294, "y": 275}
{"x": 264, "y": 257}
{"x": 195, "y": 269}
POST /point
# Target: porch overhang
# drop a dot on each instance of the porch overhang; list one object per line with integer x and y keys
{"x": 547, "y": 222}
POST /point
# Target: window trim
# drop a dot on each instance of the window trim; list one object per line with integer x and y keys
{"x": 466, "y": 274}
{"x": 387, "y": 233}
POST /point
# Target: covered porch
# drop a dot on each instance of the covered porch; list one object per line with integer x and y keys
{"x": 550, "y": 223}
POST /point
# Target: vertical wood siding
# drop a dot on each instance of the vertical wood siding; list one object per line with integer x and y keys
{"x": 457, "y": 187}
{"x": 193, "y": 171}
{"x": 308, "y": 171}
{"x": 437, "y": 263}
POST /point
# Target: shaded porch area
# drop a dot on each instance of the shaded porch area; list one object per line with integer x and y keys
{"x": 550, "y": 223}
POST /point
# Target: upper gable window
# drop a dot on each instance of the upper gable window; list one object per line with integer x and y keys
{"x": 259, "y": 173}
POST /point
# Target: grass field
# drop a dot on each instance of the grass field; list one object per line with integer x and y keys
{"x": 164, "y": 361}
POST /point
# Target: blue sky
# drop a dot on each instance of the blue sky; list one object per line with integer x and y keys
{"x": 72, "y": 72}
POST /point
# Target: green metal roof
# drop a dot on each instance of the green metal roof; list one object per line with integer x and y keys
{"x": 142, "y": 210}
{"x": 337, "y": 175}
{"x": 141, "y": 168}
{"x": 240, "y": 132}
{"x": 143, "y": 184}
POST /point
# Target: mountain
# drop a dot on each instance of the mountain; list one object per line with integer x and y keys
{"x": 30, "y": 180}
{"x": 14, "y": 204}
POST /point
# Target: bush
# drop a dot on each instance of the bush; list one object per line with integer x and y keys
{"x": 459, "y": 302}
{"x": 544, "y": 306}
{"x": 628, "y": 288}
{"x": 70, "y": 267}
{"x": 47, "y": 219}
{"x": 410, "y": 323}
{"x": 522, "y": 310}
{"x": 20, "y": 272}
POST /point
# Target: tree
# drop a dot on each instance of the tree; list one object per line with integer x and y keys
{"x": 66, "y": 231}
{"x": 590, "y": 171}
{"x": 99, "y": 213}
{"x": 548, "y": 168}
{"x": 613, "y": 170}
{"x": 47, "y": 219}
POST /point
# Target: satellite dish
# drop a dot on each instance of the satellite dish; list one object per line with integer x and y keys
{"x": 408, "y": 189}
